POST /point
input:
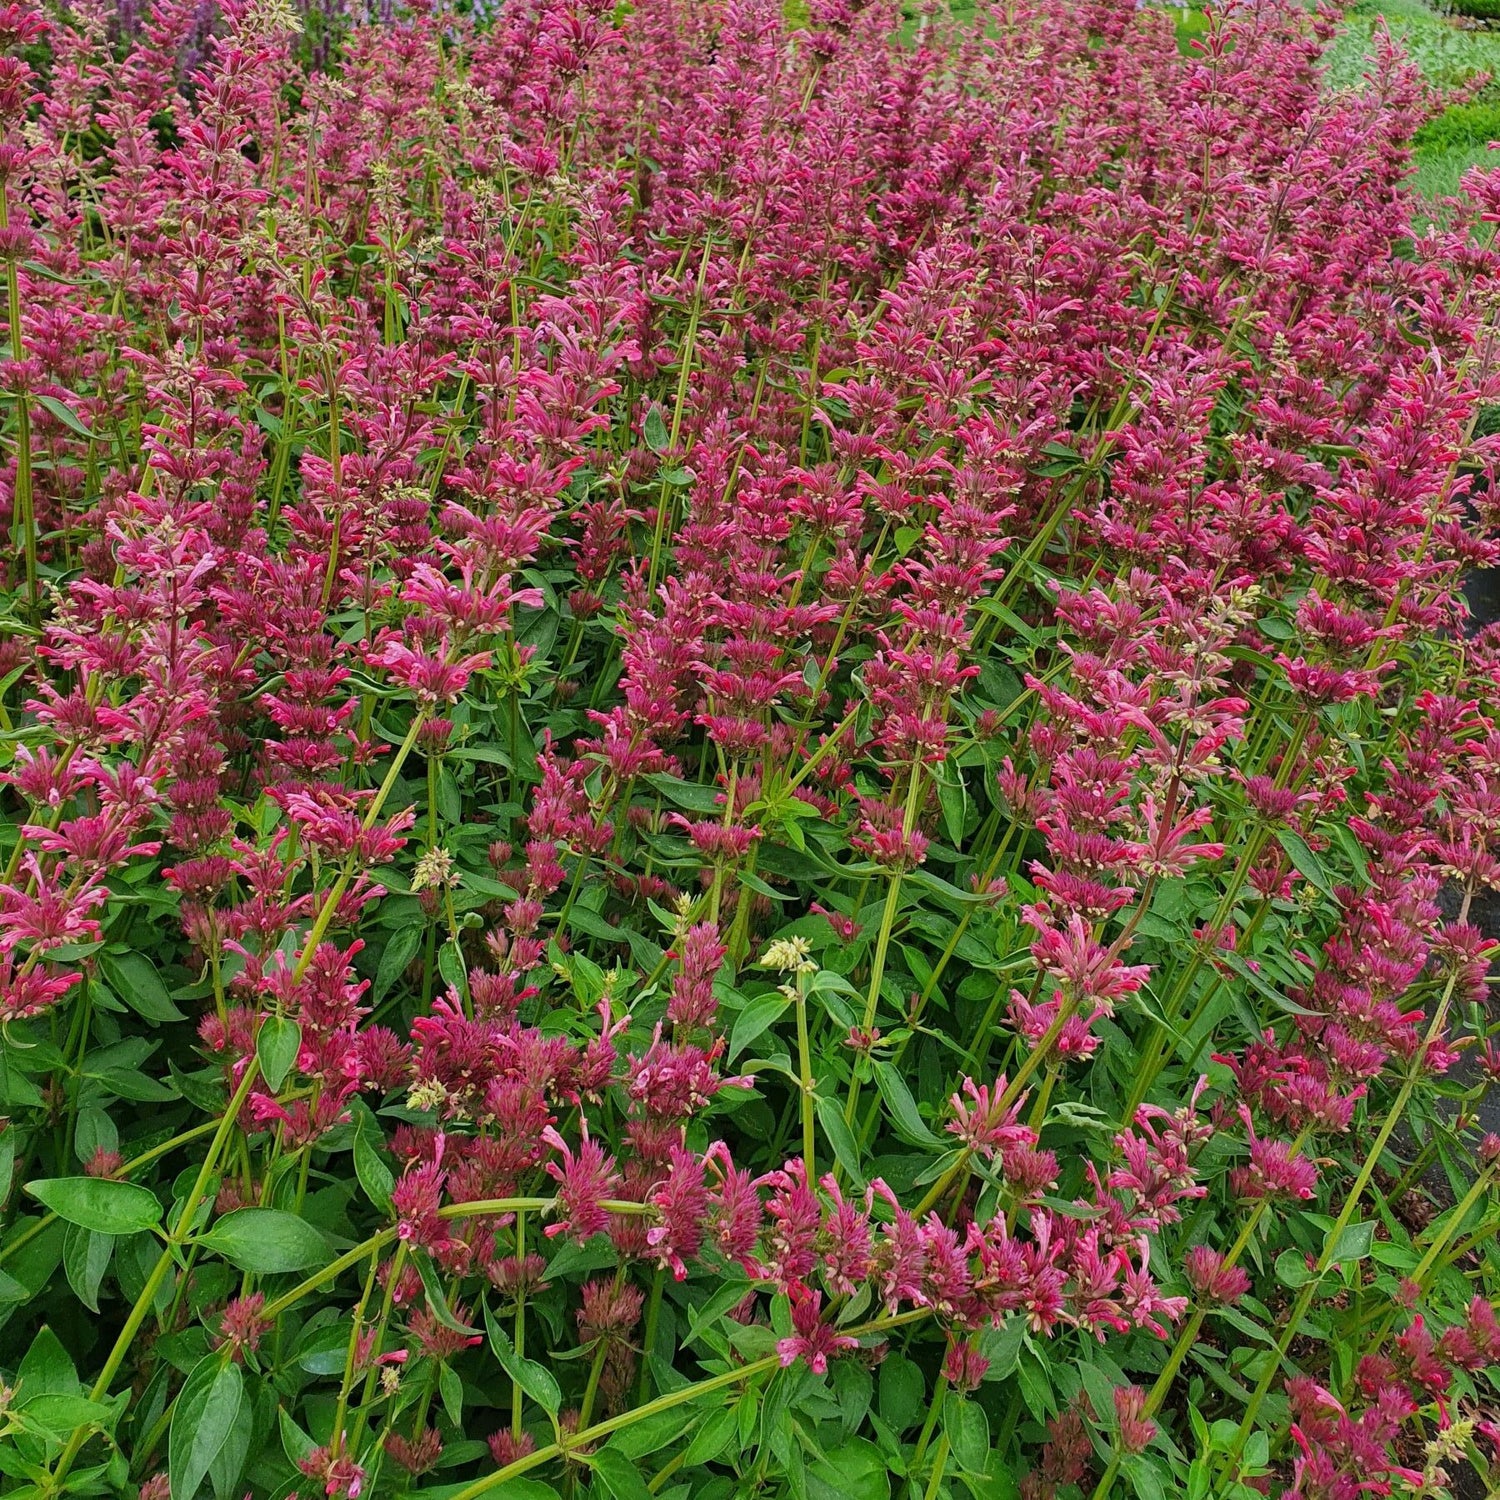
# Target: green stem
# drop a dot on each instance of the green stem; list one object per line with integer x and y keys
{"x": 689, "y": 348}
{"x": 144, "y": 1159}
{"x": 1478, "y": 1189}
{"x": 340, "y": 885}
{"x": 883, "y": 938}
{"x": 589, "y": 1437}
{"x": 804, "y": 1068}
{"x": 520, "y": 1333}
{"x": 1188, "y": 1335}
{"x": 1335, "y": 1235}
{"x": 164, "y": 1263}
{"x": 653, "y": 1317}
{"x": 1034, "y": 1060}
{"x": 939, "y": 1462}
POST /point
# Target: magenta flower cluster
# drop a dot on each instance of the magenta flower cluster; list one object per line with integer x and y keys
{"x": 740, "y": 753}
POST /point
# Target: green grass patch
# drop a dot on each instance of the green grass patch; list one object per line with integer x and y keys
{"x": 1448, "y": 55}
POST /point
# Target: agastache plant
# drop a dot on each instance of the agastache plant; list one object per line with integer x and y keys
{"x": 741, "y": 755}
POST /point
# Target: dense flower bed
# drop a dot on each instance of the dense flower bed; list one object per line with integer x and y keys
{"x": 740, "y": 760}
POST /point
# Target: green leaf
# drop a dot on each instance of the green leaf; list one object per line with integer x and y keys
{"x": 131, "y": 1083}
{"x": 62, "y": 1415}
{"x": 7, "y": 1161}
{"x": 910, "y": 1125}
{"x": 534, "y": 1379}
{"x": 1349, "y": 841}
{"x": 901, "y": 1392}
{"x": 760, "y": 1013}
{"x": 229, "y": 1462}
{"x": 1144, "y": 1477}
{"x": 654, "y": 430}
{"x": 1292, "y": 1269}
{"x": 99, "y": 1203}
{"x": 375, "y": 1177}
{"x": 399, "y": 952}
{"x": 202, "y": 1420}
{"x": 1354, "y": 1243}
{"x": 831, "y": 1117}
{"x": 688, "y": 794}
{"x": 708, "y": 1313}
{"x": 621, "y": 1477}
{"x": 266, "y": 1241}
{"x": 1258, "y": 982}
{"x": 70, "y": 419}
{"x": 1002, "y": 1347}
{"x": 276, "y": 1045}
{"x": 952, "y": 799}
{"x": 998, "y": 1482}
{"x": 968, "y": 1432}
{"x": 451, "y": 1389}
{"x": 294, "y": 1441}
{"x": 86, "y": 1257}
{"x": 437, "y": 1298}
{"x": 712, "y": 1438}
{"x": 1307, "y": 863}
{"x": 1100, "y": 1390}
{"x": 855, "y": 1470}
{"x": 46, "y": 1368}
{"x": 133, "y": 977}
{"x": 450, "y": 964}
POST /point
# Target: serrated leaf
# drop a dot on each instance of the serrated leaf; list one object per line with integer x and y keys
{"x": 266, "y": 1241}
{"x": 654, "y": 431}
{"x": 99, "y": 1203}
{"x": 202, "y": 1420}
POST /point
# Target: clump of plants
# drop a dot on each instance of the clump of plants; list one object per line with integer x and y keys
{"x": 740, "y": 759}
